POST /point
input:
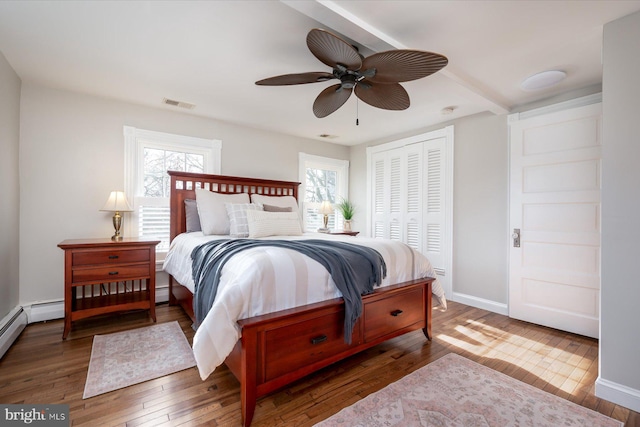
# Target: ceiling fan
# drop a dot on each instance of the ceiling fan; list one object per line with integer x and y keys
{"x": 375, "y": 79}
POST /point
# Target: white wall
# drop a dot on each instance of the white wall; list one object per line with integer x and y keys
{"x": 71, "y": 157}
{"x": 9, "y": 186}
{"x": 619, "y": 379}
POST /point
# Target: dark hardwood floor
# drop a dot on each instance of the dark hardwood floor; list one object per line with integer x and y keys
{"x": 42, "y": 368}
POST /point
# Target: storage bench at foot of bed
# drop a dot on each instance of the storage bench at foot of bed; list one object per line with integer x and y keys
{"x": 279, "y": 348}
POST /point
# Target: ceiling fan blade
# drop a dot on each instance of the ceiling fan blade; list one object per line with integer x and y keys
{"x": 330, "y": 100}
{"x": 332, "y": 50}
{"x": 403, "y": 65}
{"x": 389, "y": 96}
{"x": 296, "y": 79}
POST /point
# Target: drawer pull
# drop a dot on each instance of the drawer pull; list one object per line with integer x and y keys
{"x": 396, "y": 313}
{"x": 318, "y": 339}
{"x": 113, "y": 257}
{"x": 113, "y": 273}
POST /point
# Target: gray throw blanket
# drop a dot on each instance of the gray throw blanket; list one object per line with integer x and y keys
{"x": 354, "y": 269}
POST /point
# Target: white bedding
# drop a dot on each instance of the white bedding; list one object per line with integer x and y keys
{"x": 248, "y": 285}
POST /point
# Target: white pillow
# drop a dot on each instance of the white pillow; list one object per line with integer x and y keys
{"x": 213, "y": 214}
{"x": 238, "y": 217}
{"x": 280, "y": 201}
{"x": 263, "y": 224}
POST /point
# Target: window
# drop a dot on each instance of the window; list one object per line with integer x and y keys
{"x": 322, "y": 179}
{"x": 149, "y": 155}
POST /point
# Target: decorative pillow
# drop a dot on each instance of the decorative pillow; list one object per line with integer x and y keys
{"x": 271, "y": 208}
{"x": 213, "y": 214}
{"x": 191, "y": 213}
{"x": 238, "y": 218}
{"x": 278, "y": 201}
{"x": 263, "y": 224}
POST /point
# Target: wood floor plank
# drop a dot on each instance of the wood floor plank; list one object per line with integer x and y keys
{"x": 42, "y": 368}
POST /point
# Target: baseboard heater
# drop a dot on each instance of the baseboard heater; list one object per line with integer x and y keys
{"x": 11, "y": 327}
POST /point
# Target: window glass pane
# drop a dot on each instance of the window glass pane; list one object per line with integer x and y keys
{"x": 153, "y": 161}
{"x": 154, "y": 217}
{"x": 320, "y": 185}
{"x": 194, "y": 163}
{"x": 175, "y": 161}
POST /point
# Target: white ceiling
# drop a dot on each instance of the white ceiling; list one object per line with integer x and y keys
{"x": 210, "y": 53}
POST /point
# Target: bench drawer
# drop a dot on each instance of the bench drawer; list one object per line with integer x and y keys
{"x": 300, "y": 344}
{"x": 389, "y": 315}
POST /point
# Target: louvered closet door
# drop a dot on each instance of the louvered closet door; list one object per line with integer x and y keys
{"x": 410, "y": 185}
{"x": 409, "y": 197}
{"x": 412, "y": 193}
{"x": 380, "y": 196}
{"x": 388, "y": 195}
{"x": 434, "y": 217}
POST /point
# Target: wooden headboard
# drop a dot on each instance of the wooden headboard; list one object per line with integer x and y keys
{"x": 184, "y": 184}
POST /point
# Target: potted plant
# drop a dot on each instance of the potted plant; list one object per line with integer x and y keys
{"x": 347, "y": 210}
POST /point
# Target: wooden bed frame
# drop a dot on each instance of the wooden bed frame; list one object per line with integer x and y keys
{"x": 279, "y": 348}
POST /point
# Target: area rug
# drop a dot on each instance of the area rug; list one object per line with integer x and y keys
{"x": 456, "y": 392}
{"x": 131, "y": 357}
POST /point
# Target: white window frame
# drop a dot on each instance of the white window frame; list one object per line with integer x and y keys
{"x": 135, "y": 141}
{"x": 341, "y": 167}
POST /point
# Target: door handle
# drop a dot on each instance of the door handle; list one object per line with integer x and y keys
{"x": 516, "y": 237}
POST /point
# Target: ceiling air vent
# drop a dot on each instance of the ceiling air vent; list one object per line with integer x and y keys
{"x": 178, "y": 103}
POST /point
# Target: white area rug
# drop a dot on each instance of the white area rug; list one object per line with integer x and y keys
{"x": 456, "y": 392}
{"x": 131, "y": 357}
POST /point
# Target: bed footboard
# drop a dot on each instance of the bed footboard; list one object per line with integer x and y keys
{"x": 279, "y": 348}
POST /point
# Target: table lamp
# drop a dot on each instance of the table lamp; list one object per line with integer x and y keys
{"x": 117, "y": 202}
{"x": 325, "y": 209}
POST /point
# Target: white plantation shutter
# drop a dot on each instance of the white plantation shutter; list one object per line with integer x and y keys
{"x": 153, "y": 221}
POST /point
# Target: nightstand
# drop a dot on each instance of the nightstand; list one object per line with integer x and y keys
{"x": 104, "y": 276}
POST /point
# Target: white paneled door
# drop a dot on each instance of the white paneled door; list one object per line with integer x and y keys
{"x": 555, "y": 219}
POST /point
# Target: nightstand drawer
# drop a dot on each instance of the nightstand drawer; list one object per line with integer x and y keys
{"x": 115, "y": 273}
{"x": 115, "y": 256}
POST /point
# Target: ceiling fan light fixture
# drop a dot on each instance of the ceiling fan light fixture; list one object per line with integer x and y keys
{"x": 542, "y": 80}
{"x": 448, "y": 110}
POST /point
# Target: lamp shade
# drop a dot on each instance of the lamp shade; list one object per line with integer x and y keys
{"x": 117, "y": 202}
{"x": 326, "y": 208}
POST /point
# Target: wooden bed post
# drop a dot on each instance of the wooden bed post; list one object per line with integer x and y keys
{"x": 248, "y": 373}
{"x": 427, "y": 312}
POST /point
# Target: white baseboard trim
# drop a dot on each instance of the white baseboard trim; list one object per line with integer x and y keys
{"x": 11, "y": 327}
{"x": 485, "y": 304}
{"x": 618, "y": 394}
{"x": 50, "y": 310}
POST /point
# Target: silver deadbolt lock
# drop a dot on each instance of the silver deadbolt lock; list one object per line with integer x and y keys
{"x": 516, "y": 237}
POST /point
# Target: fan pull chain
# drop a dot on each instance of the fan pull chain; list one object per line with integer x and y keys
{"x": 357, "y": 120}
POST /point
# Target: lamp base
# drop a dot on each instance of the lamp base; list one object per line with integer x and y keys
{"x": 117, "y": 222}
{"x": 324, "y": 230}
